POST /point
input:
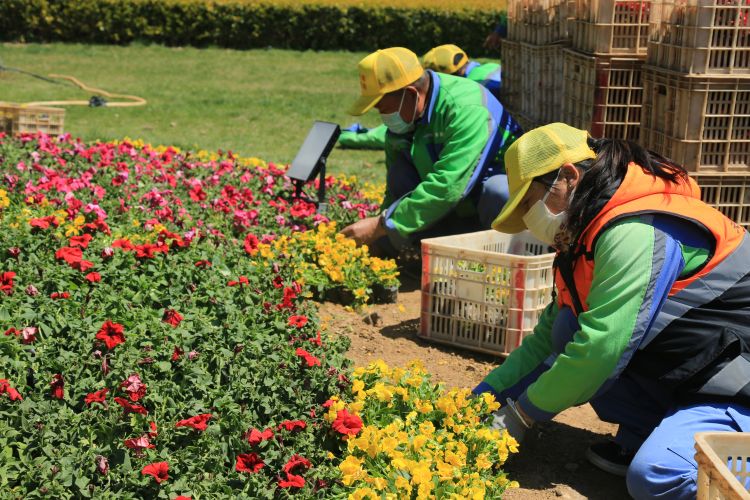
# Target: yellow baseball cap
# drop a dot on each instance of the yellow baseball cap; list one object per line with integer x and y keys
{"x": 447, "y": 58}
{"x": 384, "y": 71}
{"x": 536, "y": 153}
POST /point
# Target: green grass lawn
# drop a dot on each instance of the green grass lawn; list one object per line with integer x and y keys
{"x": 256, "y": 102}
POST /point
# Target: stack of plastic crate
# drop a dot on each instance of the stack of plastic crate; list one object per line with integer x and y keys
{"x": 538, "y": 30}
{"x": 697, "y": 96}
{"x": 603, "y": 88}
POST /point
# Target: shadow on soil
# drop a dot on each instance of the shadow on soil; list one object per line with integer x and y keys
{"x": 553, "y": 454}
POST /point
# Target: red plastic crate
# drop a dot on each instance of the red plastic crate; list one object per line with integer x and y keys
{"x": 701, "y": 36}
{"x": 700, "y": 122}
{"x": 603, "y": 94}
{"x": 612, "y": 27}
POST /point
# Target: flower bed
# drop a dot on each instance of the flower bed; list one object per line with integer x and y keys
{"x": 155, "y": 340}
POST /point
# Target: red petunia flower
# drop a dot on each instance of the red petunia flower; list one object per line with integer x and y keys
{"x": 44, "y": 222}
{"x": 251, "y": 244}
{"x": 301, "y": 208}
{"x": 131, "y": 408}
{"x": 94, "y": 277}
{"x": 248, "y": 462}
{"x": 5, "y": 388}
{"x": 111, "y": 334}
{"x": 182, "y": 497}
{"x": 58, "y": 387}
{"x": 242, "y": 281}
{"x": 198, "y": 422}
{"x": 177, "y": 353}
{"x": 82, "y": 265}
{"x": 69, "y": 254}
{"x": 297, "y": 321}
{"x": 141, "y": 443}
{"x": 292, "y": 481}
{"x": 125, "y": 244}
{"x": 59, "y": 295}
{"x": 80, "y": 241}
{"x": 292, "y": 425}
{"x": 255, "y": 437}
{"x": 172, "y": 317}
{"x": 99, "y": 396}
{"x": 13, "y": 331}
{"x": 295, "y": 463}
{"x": 310, "y": 360}
{"x": 159, "y": 471}
{"x": 134, "y": 387}
{"x": 203, "y": 263}
{"x": 6, "y": 282}
{"x": 347, "y": 424}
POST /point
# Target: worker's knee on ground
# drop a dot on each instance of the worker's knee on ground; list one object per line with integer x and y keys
{"x": 663, "y": 476}
{"x": 494, "y": 195}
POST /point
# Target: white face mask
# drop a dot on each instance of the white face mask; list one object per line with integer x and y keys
{"x": 395, "y": 123}
{"x": 542, "y": 223}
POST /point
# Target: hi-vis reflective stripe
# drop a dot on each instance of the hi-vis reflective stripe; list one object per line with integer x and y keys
{"x": 703, "y": 290}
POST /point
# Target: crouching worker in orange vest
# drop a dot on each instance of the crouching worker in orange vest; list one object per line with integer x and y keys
{"x": 651, "y": 320}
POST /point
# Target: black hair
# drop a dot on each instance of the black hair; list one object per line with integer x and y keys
{"x": 603, "y": 175}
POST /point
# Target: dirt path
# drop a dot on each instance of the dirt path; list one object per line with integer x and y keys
{"x": 552, "y": 463}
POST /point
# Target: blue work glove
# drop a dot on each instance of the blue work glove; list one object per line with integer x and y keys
{"x": 507, "y": 417}
{"x": 357, "y": 128}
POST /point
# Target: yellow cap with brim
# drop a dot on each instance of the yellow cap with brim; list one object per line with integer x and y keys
{"x": 536, "y": 153}
{"x": 382, "y": 72}
{"x": 447, "y": 58}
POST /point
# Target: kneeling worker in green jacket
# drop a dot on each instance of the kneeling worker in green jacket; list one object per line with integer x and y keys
{"x": 444, "y": 152}
{"x": 449, "y": 59}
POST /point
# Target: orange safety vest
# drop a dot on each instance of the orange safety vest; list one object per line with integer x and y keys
{"x": 698, "y": 345}
{"x": 642, "y": 193}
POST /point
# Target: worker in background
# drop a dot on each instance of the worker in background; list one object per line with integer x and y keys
{"x": 449, "y": 59}
{"x": 651, "y": 321}
{"x": 444, "y": 146}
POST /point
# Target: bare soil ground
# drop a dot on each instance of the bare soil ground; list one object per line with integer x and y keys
{"x": 551, "y": 463}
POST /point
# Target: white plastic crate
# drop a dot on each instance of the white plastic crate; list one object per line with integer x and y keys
{"x": 603, "y": 94}
{"x": 611, "y": 27}
{"x": 729, "y": 194}
{"x": 540, "y": 21}
{"x": 15, "y": 118}
{"x": 701, "y": 122}
{"x": 701, "y": 36}
{"x": 484, "y": 291}
{"x": 531, "y": 82}
{"x": 723, "y": 460}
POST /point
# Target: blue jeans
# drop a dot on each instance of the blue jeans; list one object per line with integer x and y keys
{"x": 650, "y": 421}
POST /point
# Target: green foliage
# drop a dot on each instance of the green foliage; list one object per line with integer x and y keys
{"x": 244, "y": 25}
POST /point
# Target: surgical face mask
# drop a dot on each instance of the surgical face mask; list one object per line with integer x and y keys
{"x": 542, "y": 223}
{"x": 395, "y": 123}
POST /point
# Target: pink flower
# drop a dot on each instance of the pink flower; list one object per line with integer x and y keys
{"x": 28, "y": 334}
{"x": 102, "y": 465}
{"x": 134, "y": 387}
{"x": 141, "y": 443}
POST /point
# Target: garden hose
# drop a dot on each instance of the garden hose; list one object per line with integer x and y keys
{"x": 95, "y": 100}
